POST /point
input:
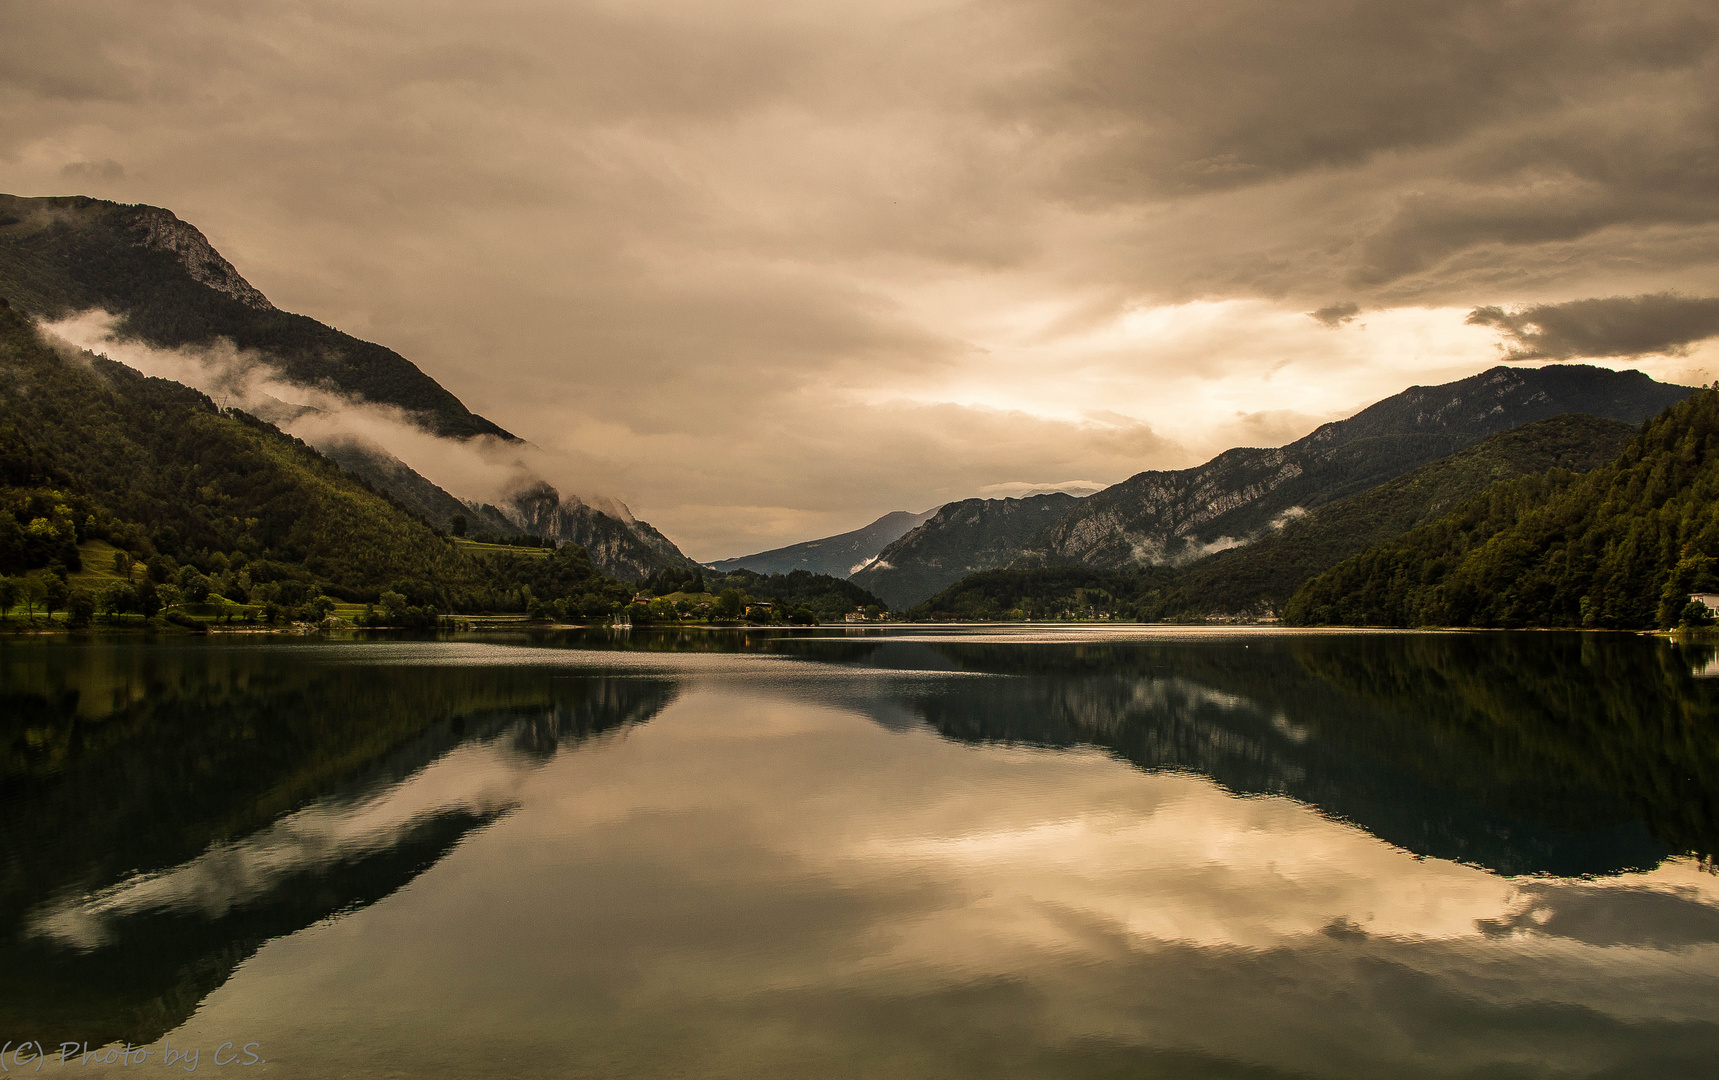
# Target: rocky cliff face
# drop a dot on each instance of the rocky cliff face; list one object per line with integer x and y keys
{"x": 618, "y": 544}
{"x": 162, "y": 230}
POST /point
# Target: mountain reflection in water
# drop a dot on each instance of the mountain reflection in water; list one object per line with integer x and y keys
{"x": 169, "y": 809}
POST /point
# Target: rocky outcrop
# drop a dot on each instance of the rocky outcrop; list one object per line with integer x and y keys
{"x": 619, "y": 544}
{"x": 162, "y": 230}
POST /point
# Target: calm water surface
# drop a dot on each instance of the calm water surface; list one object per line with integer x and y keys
{"x": 1085, "y": 853}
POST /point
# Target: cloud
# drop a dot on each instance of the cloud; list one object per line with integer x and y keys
{"x": 1335, "y": 315}
{"x": 1657, "y": 324}
{"x": 106, "y": 169}
{"x": 480, "y": 469}
{"x": 714, "y": 259}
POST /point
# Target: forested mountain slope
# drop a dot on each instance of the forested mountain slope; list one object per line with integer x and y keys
{"x": 960, "y": 539}
{"x": 152, "y": 455}
{"x": 1177, "y": 516}
{"x": 1244, "y": 495}
{"x": 1620, "y": 547}
{"x": 1258, "y": 579}
{"x": 171, "y": 288}
{"x": 90, "y": 449}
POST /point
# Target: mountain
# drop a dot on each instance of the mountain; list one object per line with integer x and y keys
{"x": 837, "y": 556}
{"x": 90, "y": 447}
{"x": 1179, "y": 516}
{"x": 1176, "y": 516}
{"x": 1260, "y": 577}
{"x": 222, "y": 502}
{"x": 627, "y": 548}
{"x": 959, "y": 539}
{"x": 171, "y": 289}
{"x": 1620, "y": 547}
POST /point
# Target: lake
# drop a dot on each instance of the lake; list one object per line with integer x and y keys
{"x": 889, "y": 851}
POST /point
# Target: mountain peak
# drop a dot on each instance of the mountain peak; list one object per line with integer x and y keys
{"x": 162, "y": 230}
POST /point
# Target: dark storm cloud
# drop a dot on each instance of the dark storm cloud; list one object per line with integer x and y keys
{"x": 1662, "y": 324}
{"x": 1225, "y": 93}
{"x": 1437, "y": 130}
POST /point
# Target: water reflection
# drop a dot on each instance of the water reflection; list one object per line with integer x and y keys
{"x": 167, "y": 810}
{"x": 475, "y": 858}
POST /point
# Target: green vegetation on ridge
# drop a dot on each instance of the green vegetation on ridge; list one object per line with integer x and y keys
{"x": 1257, "y": 579}
{"x": 215, "y": 513}
{"x": 1620, "y": 547}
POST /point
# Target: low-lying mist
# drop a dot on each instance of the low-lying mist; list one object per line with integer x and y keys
{"x": 479, "y": 469}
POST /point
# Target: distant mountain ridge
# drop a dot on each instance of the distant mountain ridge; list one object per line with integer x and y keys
{"x": 1255, "y": 581}
{"x": 1173, "y": 517}
{"x": 961, "y": 538}
{"x": 838, "y": 556}
{"x": 1170, "y": 517}
{"x": 171, "y": 289}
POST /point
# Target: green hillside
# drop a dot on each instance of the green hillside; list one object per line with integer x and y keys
{"x": 1259, "y": 578}
{"x": 212, "y": 501}
{"x": 1620, "y": 547}
{"x": 1262, "y": 576}
{"x": 133, "y": 455}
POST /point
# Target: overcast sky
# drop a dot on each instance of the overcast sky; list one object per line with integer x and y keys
{"x": 766, "y": 270}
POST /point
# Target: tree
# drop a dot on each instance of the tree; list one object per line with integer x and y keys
{"x": 729, "y": 604}
{"x": 54, "y": 594}
{"x": 8, "y": 595}
{"x": 193, "y": 585}
{"x": 34, "y": 593}
{"x": 1695, "y": 613}
{"x": 115, "y": 598}
{"x": 80, "y": 608}
{"x": 459, "y": 525}
{"x": 148, "y": 600}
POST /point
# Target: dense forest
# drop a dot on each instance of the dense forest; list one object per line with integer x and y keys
{"x": 1621, "y": 547}
{"x": 199, "y": 511}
